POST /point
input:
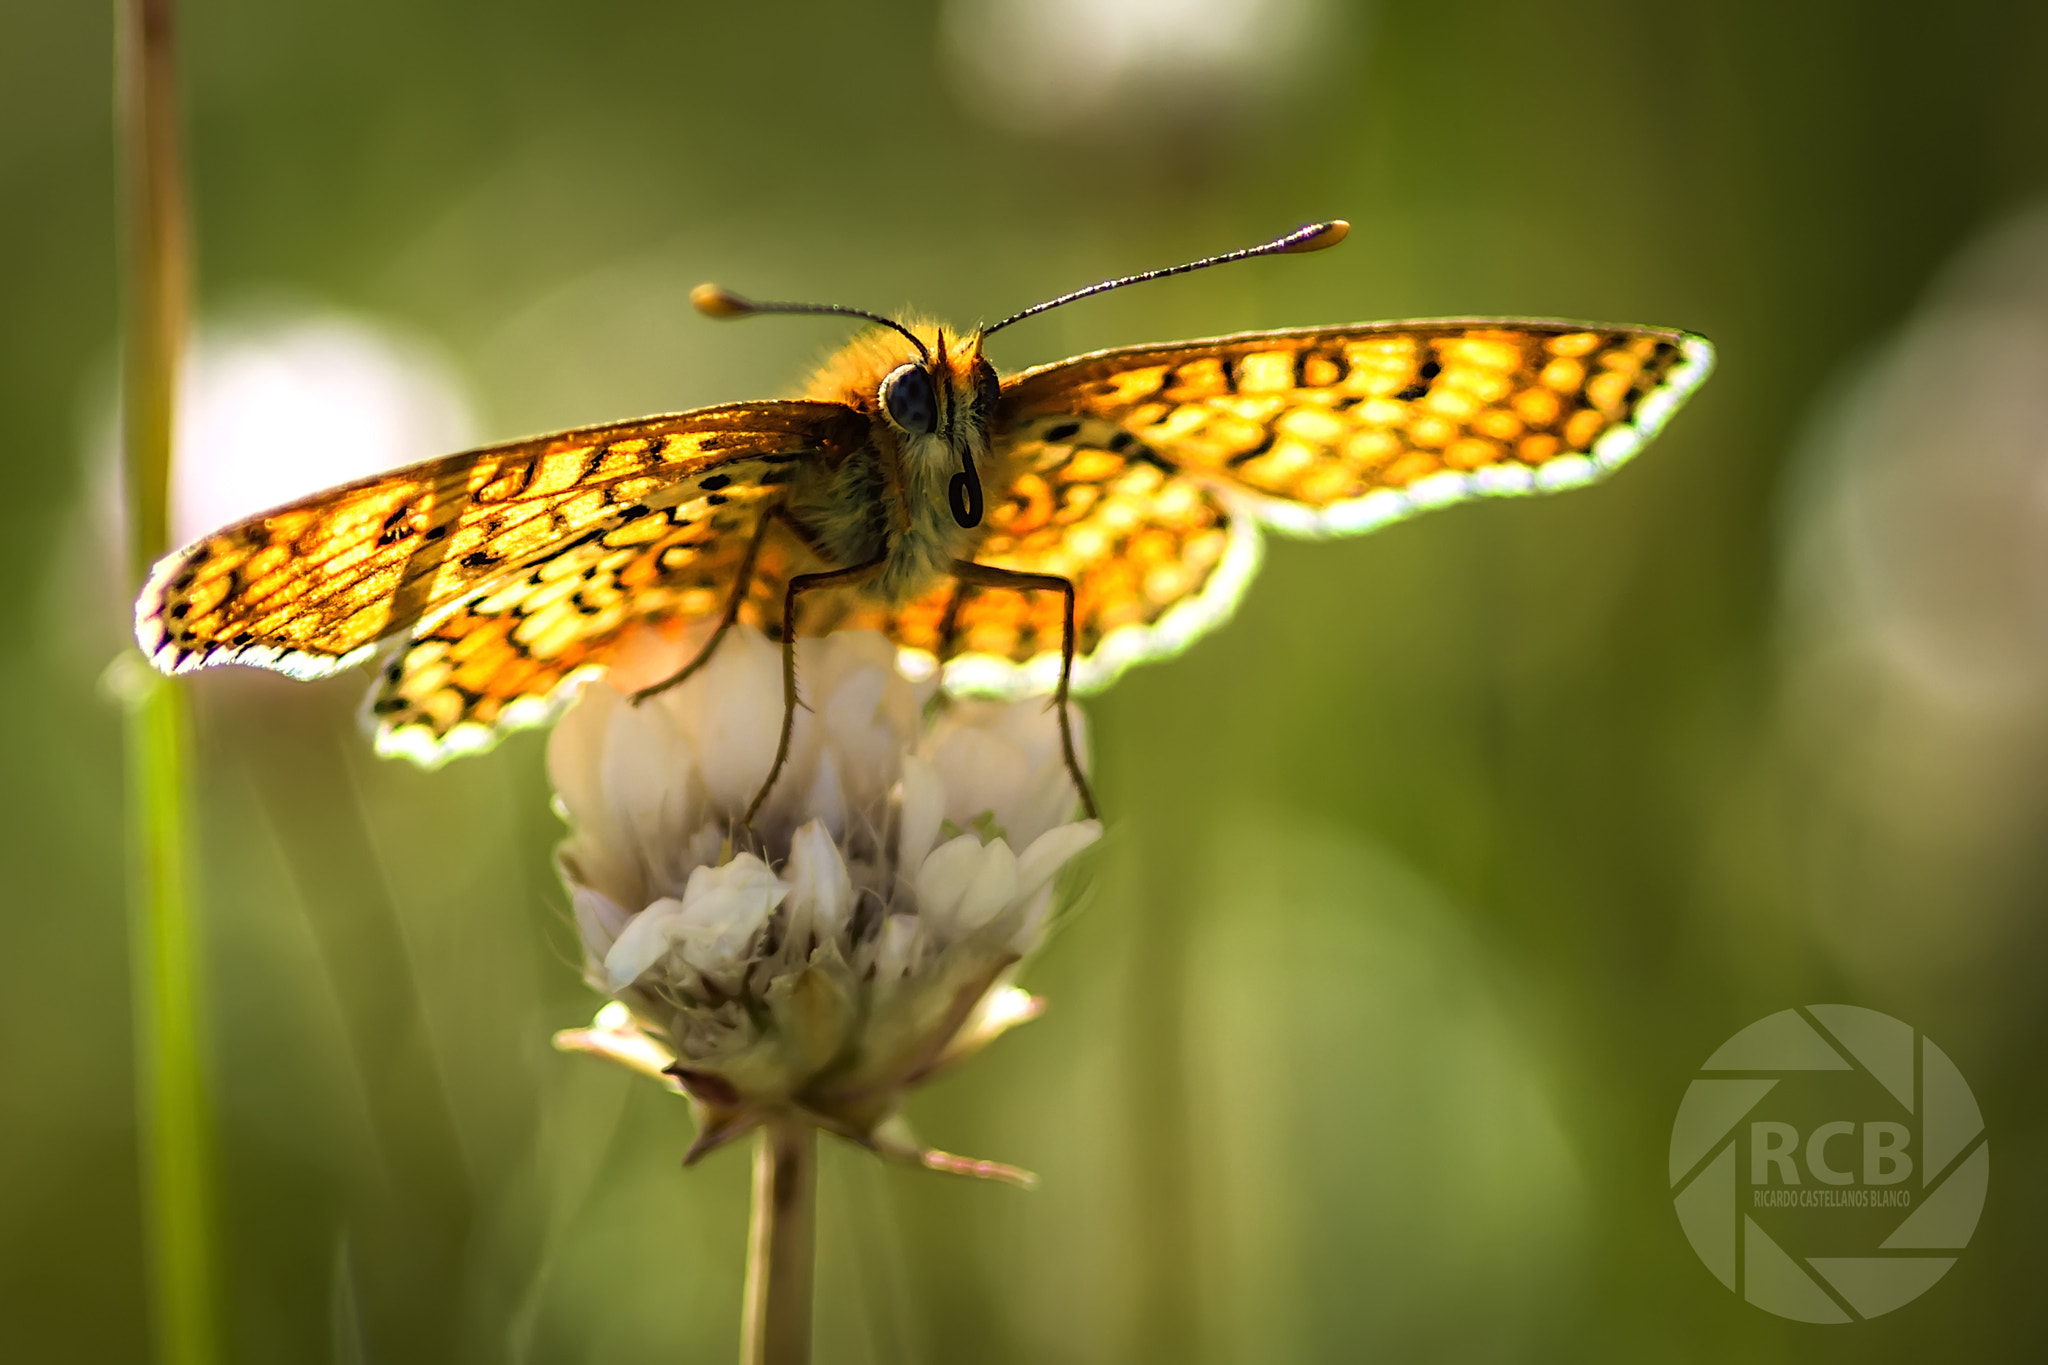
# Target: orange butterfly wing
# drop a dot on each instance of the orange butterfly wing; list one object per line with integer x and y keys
{"x": 1154, "y": 463}
{"x": 459, "y": 545}
{"x": 1154, "y": 557}
{"x": 508, "y": 659}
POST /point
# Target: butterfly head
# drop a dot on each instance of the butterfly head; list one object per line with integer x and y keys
{"x": 931, "y": 397}
{"x": 934, "y": 406}
{"x": 939, "y": 404}
{"x": 946, "y": 391}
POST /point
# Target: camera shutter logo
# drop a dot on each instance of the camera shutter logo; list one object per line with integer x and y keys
{"x": 1828, "y": 1163}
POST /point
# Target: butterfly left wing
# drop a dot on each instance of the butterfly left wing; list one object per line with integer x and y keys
{"x": 511, "y": 658}
{"x": 309, "y": 588}
{"x": 457, "y": 546}
{"x": 1158, "y": 461}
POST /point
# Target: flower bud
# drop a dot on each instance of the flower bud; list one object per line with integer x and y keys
{"x": 860, "y": 935}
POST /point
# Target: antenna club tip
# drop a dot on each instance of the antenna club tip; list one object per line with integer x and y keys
{"x": 714, "y": 302}
{"x": 1319, "y": 236}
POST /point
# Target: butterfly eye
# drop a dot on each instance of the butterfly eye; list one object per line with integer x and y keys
{"x": 908, "y": 399}
{"x": 989, "y": 390}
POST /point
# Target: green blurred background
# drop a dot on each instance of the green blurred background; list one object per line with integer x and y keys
{"x": 1434, "y": 876}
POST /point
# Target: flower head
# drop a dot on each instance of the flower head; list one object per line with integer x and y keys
{"x": 860, "y": 934}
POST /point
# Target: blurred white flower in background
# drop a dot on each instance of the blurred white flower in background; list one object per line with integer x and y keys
{"x": 1047, "y": 66}
{"x": 274, "y": 406}
{"x": 276, "y": 401}
{"x": 1916, "y": 618}
{"x": 861, "y": 935}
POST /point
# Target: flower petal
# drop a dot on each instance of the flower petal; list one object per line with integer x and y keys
{"x": 614, "y": 1037}
{"x": 1050, "y": 851}
{"x": 944, "y": 878}
{"x": 989, "y": 894}
{"x": 1002, "y": 1009}
{"x": 645, "y": 772}
{"x": 826, "y": 799}
{"x": 896, "y": 952}
{"x": 924, "y": 806}
{"x": 645, "y": 940}
{"x": 740, "y": 719}
{"x": 599, "y": 920}
{"x": 573, "y": 749}
{"x": 724, "y": 911}
{"x": 854, "y": 721}
{"x": 982, "y": 771}
{"x": 820, "y": 892}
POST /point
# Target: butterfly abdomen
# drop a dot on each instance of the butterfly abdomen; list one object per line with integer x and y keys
{"x": 844, "y": 510}
{"x": 882, "y": 503}
{"x": 931, "y": 538}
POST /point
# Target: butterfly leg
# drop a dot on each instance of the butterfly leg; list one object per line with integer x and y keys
{"x": 742, "y": 581}
{"x": 988, "y": 576}
{"x": 800, "y": 584}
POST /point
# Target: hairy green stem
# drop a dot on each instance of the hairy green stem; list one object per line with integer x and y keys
{"x": 172, "y": 1126}
{"x": 775, "y": 1328}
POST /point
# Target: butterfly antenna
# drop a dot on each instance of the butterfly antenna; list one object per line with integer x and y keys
{"x": 1313, "y": 237}
{"x": 714, "y": 302}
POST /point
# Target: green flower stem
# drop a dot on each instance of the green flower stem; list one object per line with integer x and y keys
{"x": 776, "y": 1324}
{"x": 153, "y": 207}
{"x": 172, "y": 1125}
{"x": 169, "y": 1076}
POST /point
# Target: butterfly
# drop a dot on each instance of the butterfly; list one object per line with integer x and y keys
{"x": 1036, "y": 533}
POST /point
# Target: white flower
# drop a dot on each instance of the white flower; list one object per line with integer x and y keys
{"x": 861, "y": 933}
{"x": 713, "y": 928}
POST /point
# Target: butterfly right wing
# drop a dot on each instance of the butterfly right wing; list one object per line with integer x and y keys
{"x": 1142, "y": 474}
{"x": 1155, "y": 558}
{"x": 1337, "y": 430}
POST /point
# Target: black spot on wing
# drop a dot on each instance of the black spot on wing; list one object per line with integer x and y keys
{"x": 1127, "y": 445}
{"x": 1427, "y": 375}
